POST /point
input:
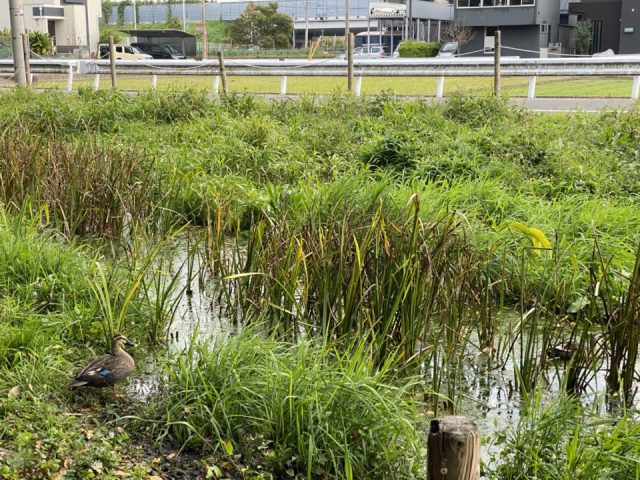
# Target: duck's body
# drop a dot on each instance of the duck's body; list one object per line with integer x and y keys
{"x": 109, "y": 369}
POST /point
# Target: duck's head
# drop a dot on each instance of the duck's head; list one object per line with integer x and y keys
{"x": 120, "y": 341}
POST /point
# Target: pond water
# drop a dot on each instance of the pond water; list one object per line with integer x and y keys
{"x": 486, "y": 389}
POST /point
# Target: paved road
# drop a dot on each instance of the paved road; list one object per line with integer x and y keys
{"x": 557, "y": 104}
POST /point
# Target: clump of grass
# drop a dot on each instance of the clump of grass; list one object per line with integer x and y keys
{"x": 566, "y": 440}
{"x": 313, "y": 411}
{"x": 84, "y": 189}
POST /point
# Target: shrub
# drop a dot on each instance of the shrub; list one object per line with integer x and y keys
{"x": 40, "y": 43}
{"x": 413, "y": 49}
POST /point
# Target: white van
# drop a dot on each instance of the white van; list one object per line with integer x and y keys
{"x": 123, "y": 52}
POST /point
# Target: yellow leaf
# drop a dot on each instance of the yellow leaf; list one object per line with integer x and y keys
{"x": 537, "y": 236}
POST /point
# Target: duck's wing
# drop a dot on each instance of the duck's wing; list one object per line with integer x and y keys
{"x": 99, "y": 370}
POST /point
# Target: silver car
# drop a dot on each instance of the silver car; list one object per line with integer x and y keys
{"x": 366, "y": 51}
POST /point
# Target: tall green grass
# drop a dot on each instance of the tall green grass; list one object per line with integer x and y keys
{"x": 565, "y": 440}
{"x": 309, "y": 410}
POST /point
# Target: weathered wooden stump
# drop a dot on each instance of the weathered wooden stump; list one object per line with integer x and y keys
{"x": 454, "y": 449}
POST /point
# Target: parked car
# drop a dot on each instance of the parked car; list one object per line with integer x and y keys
{"x": 449, "y": 49}
{"x": 123, "y": 52}
{"x": 160, "y": 51}
{"x": 367, "y": 51}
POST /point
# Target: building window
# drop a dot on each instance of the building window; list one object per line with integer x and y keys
{"x": 494, "y": 3}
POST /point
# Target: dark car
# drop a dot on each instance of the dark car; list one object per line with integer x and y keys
{"x": 158, "y": 50}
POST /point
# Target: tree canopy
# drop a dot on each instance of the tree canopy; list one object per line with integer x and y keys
{"x": 262, "y": 25}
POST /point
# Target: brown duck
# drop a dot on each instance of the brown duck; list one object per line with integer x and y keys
{"x": 108, "y": 369}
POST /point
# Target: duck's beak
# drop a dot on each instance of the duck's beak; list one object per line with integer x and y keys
{"x": 129, "y": 343}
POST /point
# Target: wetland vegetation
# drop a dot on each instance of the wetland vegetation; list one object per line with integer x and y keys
{"x": 352, "y": 267}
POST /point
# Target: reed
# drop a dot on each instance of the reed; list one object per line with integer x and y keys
{"x": 86, "y": 188}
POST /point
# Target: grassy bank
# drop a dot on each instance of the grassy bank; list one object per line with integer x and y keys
{"x": 408, "y": 226}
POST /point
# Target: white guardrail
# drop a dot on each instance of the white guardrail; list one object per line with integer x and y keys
{"x": 618, "y": 65}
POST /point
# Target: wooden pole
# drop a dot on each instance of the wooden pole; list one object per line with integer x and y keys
{"x": 223, "y": 73}
{"x": 112, "y": 63}
{"x": 27, "y": 57}
{"x": 454, "y": 449}
{"x": 496, "y": 63}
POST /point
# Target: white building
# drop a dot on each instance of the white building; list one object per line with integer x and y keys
{"x": 66, "y": 21}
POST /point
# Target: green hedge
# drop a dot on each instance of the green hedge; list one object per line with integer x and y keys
{"x": 414, "y": 48}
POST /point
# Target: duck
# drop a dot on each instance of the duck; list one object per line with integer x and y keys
{"x": 109, "y": 369}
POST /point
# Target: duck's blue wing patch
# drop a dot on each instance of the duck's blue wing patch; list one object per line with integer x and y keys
{"x": 104, "y": 372}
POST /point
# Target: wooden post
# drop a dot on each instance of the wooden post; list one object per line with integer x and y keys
{"x": 223, "y": 73}
{"x": 154, "y": 81}
{"x": 112, "y": 63}
{"x": 27, "y": 57}
{"x": 96, "y": 82}
{"x": 283, "y": 85}
{"x": 496, "y": 64}
{"x": 454, "y": 449}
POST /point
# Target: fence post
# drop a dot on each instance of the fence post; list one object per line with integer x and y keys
{"x": 283, "y": 85}
{"x": 27, "y": 57}
{"x": 112, "y": 63}
{"x": 358, "y": 86}
{"x": 223, "y": 73}
{"x": 70, "y": 78}
{"x": 532, "y": 87}
{"x": 440, "y": 87}
{"x": 216, "y": 84}
{"x": 635, "y": 89}
{"x": 453, "y": 449}
{"x": 154, "y": 81}
{"x": 96, "y": 82}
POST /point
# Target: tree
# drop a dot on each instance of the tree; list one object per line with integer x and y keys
{"x": 107, "y": 8}
{"x": 120, "y": 12}
{"x": 583, "y": 35}
{"x": 262, "y": 25}
{"x": 452, "y": 32}
{"x": 173, "y": 22}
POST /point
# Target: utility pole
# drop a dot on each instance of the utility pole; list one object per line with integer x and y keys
{"x": 16, "y": 15}
{"x": 184, "y": 17}
{"x": 496, "y": 62}
{"x": 347, "y": 38}
{"x": 306, "y": 23}
{"x": 86, "y": 22}
{"x": 205, "y": 40}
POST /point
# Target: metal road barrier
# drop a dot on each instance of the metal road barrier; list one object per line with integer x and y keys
{"x": 618, "y": 65}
